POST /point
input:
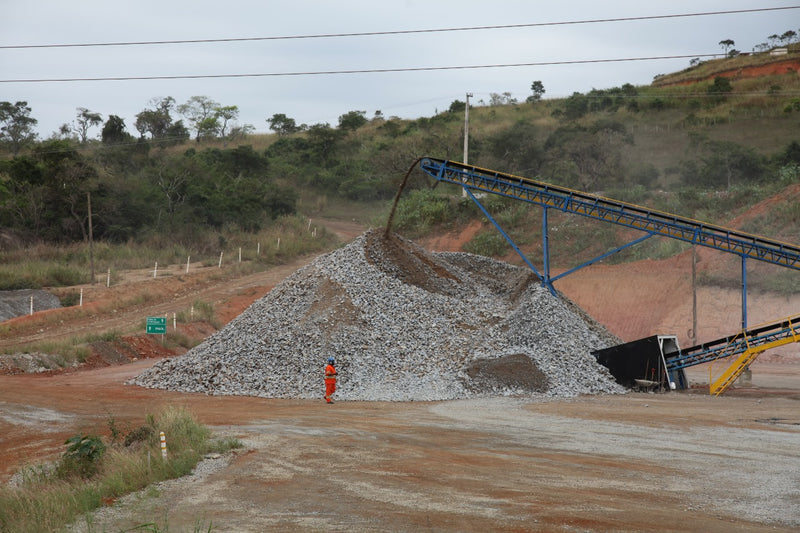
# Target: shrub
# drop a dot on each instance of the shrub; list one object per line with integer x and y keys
{"x": 82, "y": 457}
{"x": 421, "y": 210}
{"x": 490, "y": 244}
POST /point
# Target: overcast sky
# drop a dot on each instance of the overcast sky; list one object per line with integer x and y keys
{"x": 322, "y": 98}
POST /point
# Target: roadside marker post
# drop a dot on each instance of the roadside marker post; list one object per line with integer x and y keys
{"x": 163, "y": 446}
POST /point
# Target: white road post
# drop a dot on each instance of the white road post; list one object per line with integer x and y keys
{"x": 163, "y": 446}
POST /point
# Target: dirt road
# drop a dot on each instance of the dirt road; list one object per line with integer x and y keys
{"x": 673, "y": 462}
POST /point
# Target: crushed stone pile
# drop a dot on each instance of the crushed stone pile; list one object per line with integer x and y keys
{"x": 404, "y": 324}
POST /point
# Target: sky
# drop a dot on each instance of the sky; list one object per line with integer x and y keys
{"x": 303, "y": 78}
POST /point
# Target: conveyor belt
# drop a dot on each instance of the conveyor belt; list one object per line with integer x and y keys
{"x": 617, "y": 212}
{"x": 764, "y": 336}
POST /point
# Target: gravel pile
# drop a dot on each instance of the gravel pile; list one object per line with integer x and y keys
{"x": 18, "y": 303}
{"x": 403, "y": 324}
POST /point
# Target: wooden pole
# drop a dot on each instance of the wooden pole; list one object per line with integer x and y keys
{"x": 91, "y": 236}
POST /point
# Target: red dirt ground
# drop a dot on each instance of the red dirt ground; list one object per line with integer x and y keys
{"x": 39, "y": 411}
{"x": 772, "y": 69}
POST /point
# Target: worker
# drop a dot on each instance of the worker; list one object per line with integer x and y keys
{"x": 330, "y": 379}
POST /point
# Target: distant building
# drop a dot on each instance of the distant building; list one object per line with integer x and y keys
{"x": 779, "y": 52}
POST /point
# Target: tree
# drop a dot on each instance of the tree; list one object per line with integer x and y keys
{"x": 323, "y": 141}
{"x": 726, "y": 44}
{"x": 501, "y": 99}
{"x": 208, "y": 127}
{"x": 114, "y": 131}
{"x": 788, "y": 37}
{"x": 586, "y": 158}
{"x": 723, "y": 164}
{"x": 16, "y": 125}
{"x": 156, "y": 121}
{"x": 516, "y": 149}
{"x": 176, "y": 133}
{"x": 352, "y": 120}
{"x": 720, "y": 88}
{"x": 225, "y": 114}
{"x": 49, "y": 189}
{"x": 790, "y": 155}
{"x": 538, "y": 91}
{"x": 198, "y": 110}
{"x": 281, "y": 124}
{"x": 85, "y": 120}
{"x": 456, "y": 106}
{"x": 575, "y": 106}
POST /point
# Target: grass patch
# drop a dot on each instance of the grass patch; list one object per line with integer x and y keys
{"x": 92, "y": 470}
{"x": 40, "y": 266}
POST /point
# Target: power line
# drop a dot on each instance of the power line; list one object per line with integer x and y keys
{"x": 355, "y": 71}
{"x": 403, "y": 32}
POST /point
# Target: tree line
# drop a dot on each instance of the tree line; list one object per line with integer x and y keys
{"x": 160, "y": 182}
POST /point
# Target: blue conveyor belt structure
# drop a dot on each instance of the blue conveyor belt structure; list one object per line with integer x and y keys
{"x": 651, "y": 222}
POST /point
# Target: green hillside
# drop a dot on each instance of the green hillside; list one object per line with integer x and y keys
{"x": 693, "y": 143}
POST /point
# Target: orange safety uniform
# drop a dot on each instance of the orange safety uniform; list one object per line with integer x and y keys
{"x": 330, "y": 382}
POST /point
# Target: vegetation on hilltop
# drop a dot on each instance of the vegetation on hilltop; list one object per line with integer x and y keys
{"x": 707, "y": 150}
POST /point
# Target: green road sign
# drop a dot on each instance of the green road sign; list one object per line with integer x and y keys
{"x": 157, "y": 324}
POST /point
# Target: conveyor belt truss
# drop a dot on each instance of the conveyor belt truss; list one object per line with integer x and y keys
{"x": 600, "y": 208}
{"x": 652, "y": 222}
{"x": 745, "y": 346}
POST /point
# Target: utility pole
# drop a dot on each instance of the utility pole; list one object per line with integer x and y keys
{"x": 466, "y": 129}
{"x": 466, "y": 137}
{"x": 694, "y": 295}
{"x": 91, "y": 237}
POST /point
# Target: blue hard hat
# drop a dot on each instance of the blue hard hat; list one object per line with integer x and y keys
{"x": 331, "y": 360}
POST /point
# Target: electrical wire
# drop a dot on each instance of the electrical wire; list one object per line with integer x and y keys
{"x": 357, "y": 71}
{"x": 401, "y": 32}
